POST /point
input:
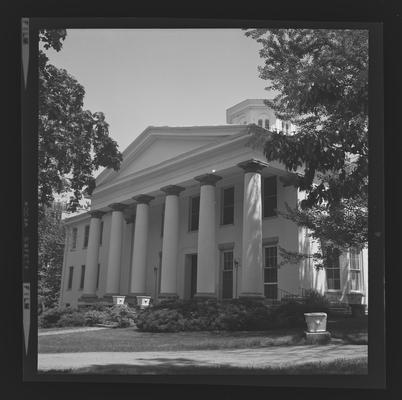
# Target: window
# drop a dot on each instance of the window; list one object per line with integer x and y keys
{"x": 227, "y": 274}
{"x": 283, "y": 126}
{"x": 267, "y": 124}
{"x": 194, "y": 213}
{"x": 355, "y": 269}
{"x": 82, "y": 277}
{"x": 101, "y": 233}
{"x": 86, "y": 236}
{"x": 270, "y": 272}
{"x": 269, "y": 203}
{"x": 70, "y": 277}
{"x": 228, "y": 206}
{"x": 333, "y": 269}
{"x": 97, "y": 277}
{"x": 260, "y": 122}
{"x": 287, "y": 127}
{"x": 74, "y": 238}
{"x": 162, "y": 218}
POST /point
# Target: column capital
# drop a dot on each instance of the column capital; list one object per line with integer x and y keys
{"x": 117, "y": 206}
{"x": 172, "y": 190}
{"x": 252, "y": 165}
{"x": 208, "y": 179}
{"x": 143, "y": 198}
{"x": 96, "y": 214}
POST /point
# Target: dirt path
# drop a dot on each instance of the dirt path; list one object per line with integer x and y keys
{"x": 239, "y": 358}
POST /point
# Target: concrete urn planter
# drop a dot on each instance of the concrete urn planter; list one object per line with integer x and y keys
{"x": 118, "y": 300}
{"x": 143, "y": 301}
{"x": 316, "y": 322}
{"x": 355, "y": 297}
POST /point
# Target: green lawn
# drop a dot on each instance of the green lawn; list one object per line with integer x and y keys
{"x": 338, "y": 366}
{"x": 347, "y": 330}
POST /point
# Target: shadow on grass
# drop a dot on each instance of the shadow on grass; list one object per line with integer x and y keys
{"x": 183, "y": 366}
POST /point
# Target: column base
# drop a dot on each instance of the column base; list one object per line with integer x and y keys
{"x": 251, "y": 296}
{"x": 205, "y": 296}
{"x": 87, "y": 299}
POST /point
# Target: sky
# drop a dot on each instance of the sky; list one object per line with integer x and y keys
{"x": 161, "y": 77}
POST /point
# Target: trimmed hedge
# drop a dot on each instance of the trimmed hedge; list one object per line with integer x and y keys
{"x": 232, "y": 315}
{"x": 121, "y": 315}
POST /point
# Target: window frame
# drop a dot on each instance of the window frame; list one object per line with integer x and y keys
{"x": 331, "y": 270}
{"x": 264, "y": 196}
{"x": 266, "y": 122}
{"x": 70, "y": 277}
{"x": 355, "y": 268}
{"x": 74, "y": 237}
{"x": 191, "y": 213}
{"x": 260, "y": 124}
{"x": 86, "y": 237}
{"x": 265, "y": 267}
{"x": 82, "y": 277}
{"x": 225, "y": 207}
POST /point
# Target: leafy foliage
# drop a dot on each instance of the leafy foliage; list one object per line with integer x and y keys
{"x": 322, "y": 80}
{"x": 73, "y": 142}
{"x": 51, "y": 235}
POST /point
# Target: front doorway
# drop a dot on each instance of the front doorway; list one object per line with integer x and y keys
{"x": 191, "y": 276}
{"x": 227, "y": 274}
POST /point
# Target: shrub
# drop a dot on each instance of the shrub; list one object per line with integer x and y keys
{"x": 93, "y": 317}
{"x": 51, "y": 317}
{"x": 201, "y": 314}
{"x": 123, "y": 315}
{"x": 75, "y": 318}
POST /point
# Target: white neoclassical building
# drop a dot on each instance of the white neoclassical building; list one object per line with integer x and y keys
{"x": 192, "y": 212}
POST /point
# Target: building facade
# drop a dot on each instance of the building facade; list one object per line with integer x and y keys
{"x": 193, "y": 212}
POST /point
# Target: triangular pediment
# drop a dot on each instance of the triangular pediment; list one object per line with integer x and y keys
{"x": 157, "y": 145}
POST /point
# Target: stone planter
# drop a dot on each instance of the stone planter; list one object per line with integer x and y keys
{"x": 317, "y": 328}
{"x": 143, "y": 301}
{"x": 316, "y": 322}
{"x": 118, "y": 300}
{"x": 355, "y": 297}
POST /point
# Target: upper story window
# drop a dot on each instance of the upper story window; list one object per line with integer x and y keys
{"x": 74, "y": 238}
{"x": 355, "y": 269}
{"x": 101, "y": 233}
{"x": 260, "y": 122}
{"x": 86, "y": 236}
{"x": 194, "y": 213}
{"x": 269, "y": 203}
{"x": 70, "y": 277}
{"x": 266, "y": 122}
{"x": 333, "y": 269}
{"x": 228, "y": 206}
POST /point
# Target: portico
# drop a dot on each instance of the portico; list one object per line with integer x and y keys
{"x": 207, "y": 247}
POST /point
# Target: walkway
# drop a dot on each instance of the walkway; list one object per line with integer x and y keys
{"x": 238, "y": 358}
{"x": 71, "y": 330}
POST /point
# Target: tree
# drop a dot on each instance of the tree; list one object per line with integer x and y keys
{"x": 73, "y": 142}
{"x": 51, "y": 238}
{"x": 322, "y": 80}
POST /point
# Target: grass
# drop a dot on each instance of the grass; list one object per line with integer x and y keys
{"x": 344, "y": 330}
{"x": 337, "y": 366}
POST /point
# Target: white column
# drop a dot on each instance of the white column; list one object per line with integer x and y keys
{"x": 252, "y": 266}
{"x": 170, "y": 245}
{"x": 140, "y": 246}
{"x": 91, "y": 263}
{"x": 206, "y": 259}
{"x": 115, "y": 246}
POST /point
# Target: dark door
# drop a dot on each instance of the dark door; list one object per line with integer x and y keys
{"x": 193, "y": 275}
